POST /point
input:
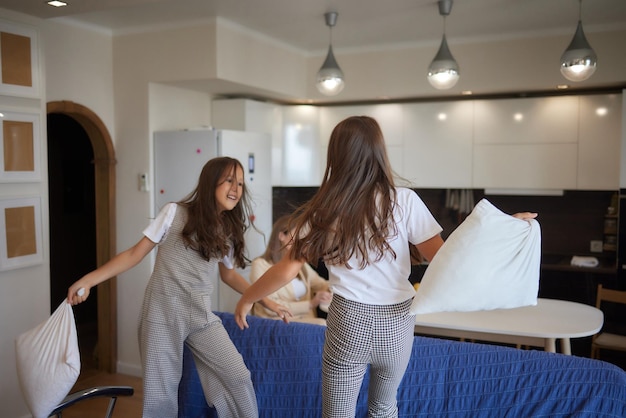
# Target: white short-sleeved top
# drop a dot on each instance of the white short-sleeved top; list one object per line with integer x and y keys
{"x": 385, "y": 282}
{"x": 158, "y": 228}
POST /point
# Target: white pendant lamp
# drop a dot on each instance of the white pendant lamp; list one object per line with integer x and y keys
{"x": 443, "y": 72}
{"x": 579, "y": 60}
{"x": 330, "y": 77}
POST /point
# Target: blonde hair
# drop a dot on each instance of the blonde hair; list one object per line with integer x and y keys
{"x": 274, "y": 251}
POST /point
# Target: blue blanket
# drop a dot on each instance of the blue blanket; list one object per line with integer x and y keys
{"x": 444, "y": 378}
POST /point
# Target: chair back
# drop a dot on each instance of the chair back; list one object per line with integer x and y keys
{"x": 610, "y": 295}
{"x": 609, "y": 340}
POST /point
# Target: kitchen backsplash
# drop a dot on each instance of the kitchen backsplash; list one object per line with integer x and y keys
{"x": 568, "y": 222}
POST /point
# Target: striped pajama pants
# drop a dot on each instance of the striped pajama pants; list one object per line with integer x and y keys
{"x": 358, "y": 335}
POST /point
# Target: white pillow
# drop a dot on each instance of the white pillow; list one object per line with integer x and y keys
{"x": 48, "y": 361}
{"x": 491, "y": 261}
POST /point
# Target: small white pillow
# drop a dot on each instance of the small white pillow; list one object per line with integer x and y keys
{"x": 490, "y": 261}
{"x": 48, "y": 361}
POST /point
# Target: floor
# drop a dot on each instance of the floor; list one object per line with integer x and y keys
{"x": 125, "y": 407}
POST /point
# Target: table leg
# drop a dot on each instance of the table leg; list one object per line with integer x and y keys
{"x": 550, "y": 345}
{"x": 566, "y": 347}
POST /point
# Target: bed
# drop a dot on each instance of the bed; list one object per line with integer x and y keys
{"x": 444, "y": 378}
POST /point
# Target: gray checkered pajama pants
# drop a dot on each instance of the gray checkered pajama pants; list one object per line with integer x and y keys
{"x": 171, "y": 319}
{"x": 358, "y": 334}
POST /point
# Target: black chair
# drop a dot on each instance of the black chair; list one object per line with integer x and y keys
{"x": 112, "y": 392}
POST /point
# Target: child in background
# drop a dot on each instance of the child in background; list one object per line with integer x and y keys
{"x": 304, "y": 293}
{"x": 359, "y": 223}
{"x": 198, "y": 238}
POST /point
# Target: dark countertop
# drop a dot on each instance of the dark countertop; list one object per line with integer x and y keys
{"x": 555, "y": 262}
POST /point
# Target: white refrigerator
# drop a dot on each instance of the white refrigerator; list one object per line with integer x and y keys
{"x": 178, "y": 160}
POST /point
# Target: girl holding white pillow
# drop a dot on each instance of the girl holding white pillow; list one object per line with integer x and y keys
{"x": 198, "y": 238}
{"x": 359, "y": 223}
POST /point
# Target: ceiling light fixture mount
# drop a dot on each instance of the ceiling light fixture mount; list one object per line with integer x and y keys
{"x": 579, "y": 60}
{"x": 443, "y": 72}
{"x": 330, "y": 79}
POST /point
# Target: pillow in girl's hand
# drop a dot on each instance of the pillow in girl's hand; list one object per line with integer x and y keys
{"x": 48, "y": 361}
{"x": 490, "y": 261}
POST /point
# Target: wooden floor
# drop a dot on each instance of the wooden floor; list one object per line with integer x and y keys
{"x": 125, "y": 407}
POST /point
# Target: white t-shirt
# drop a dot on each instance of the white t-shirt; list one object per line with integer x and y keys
{"x": 385, "y": 282}
{"x": 299, "y": 288}
{"x": 158, "y": 228}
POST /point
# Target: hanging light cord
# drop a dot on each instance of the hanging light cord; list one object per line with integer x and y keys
{"x": 330, "y": 35}
{"x": 444, "y": 24}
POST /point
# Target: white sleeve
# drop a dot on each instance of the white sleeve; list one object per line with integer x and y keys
{"x": 157, "y": 230}
{"x": 420, "y": 223}
{"x": 229, "y": 259}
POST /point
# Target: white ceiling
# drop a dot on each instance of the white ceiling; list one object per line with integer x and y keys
{"x": 362, "y": 24}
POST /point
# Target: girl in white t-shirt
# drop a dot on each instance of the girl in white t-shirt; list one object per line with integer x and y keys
{"x": 198, "y": 238}
{"x": 359, "y": 223}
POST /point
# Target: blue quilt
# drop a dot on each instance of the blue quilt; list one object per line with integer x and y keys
{"x": 444, "y": 378}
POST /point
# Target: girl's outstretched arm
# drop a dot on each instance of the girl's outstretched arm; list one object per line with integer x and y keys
{"x": 236, "y": 281}
{"x": 273, "y": 279}
{"x": 120, "y": 263}
{"x": 429, "y": 248}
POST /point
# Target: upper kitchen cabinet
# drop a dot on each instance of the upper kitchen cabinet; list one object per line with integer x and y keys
{"x": 599, "y": 142}
{"x": 299, "y": 160}
{"x": 527, "y": 143}
{"x": 438, "y": 144}
{"x": 388, "y": 116}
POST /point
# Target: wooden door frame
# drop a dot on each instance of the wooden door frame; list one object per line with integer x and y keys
{"x": 104, "y": 166}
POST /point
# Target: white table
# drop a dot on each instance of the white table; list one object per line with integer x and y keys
{"x": 537, "y": 326}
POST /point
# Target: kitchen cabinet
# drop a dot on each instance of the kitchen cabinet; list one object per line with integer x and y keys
{"x": 299, "y": 159}
{"x": 599, "y": 142}
{"x": 527, "y": 143}
{"x": 538, "y": 120}
{"x": 389, "y": 117}
{"x": 523, "y": 166}
{"x": 438, "y": 144}
{"x": 539, "y": 143}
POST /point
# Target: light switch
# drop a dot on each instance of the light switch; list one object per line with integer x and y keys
{"x": 595, "y": 246}
{"x": 143, "y": 182}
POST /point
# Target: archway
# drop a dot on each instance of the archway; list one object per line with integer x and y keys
{"x": 104, "y": 166}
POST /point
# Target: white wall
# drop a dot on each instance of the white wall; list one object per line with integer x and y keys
{"x": 76, "y": 65}
{"x": 170, "y": 108}
{"x": 78, "y": 68}
{"x": 24, "y": 292}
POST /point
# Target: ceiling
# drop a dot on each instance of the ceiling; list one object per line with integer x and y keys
{"x": 362, "y": 24}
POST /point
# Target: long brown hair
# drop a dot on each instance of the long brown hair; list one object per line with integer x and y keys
{"x": 208, "y": 231}
{"x": 352, "y": 212}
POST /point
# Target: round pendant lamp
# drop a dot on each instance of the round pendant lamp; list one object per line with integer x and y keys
{"x": 330, "y": 81}
{"x": 579, "y": 60}
{"x": 444, "y": 72}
